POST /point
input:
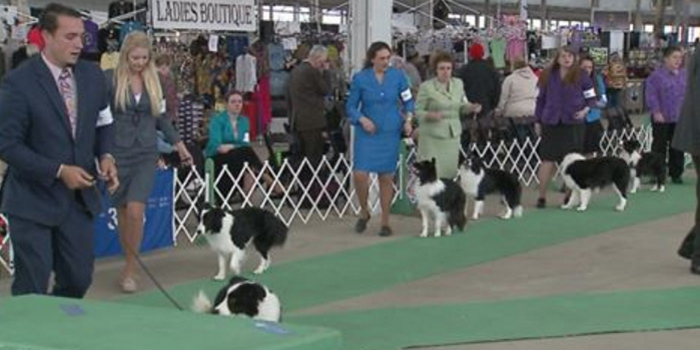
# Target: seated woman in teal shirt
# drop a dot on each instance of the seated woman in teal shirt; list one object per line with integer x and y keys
{"x": 229, "y": 144}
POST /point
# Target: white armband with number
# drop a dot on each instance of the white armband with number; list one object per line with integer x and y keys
{"x": 105, "y": 117}
{"x": 590, "y": 93}
{"x": 162, "y": 106}
{"x": 406, "y": 95}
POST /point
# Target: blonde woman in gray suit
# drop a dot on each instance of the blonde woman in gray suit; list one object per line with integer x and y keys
{"x": 139, "y": 109}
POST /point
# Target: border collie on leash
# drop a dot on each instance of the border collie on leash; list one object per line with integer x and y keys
{"x": 644, "y": 164}
{"x": 478, "y": 182}
{"x": 229, "y": 233}
{"x": 582, "y": 176}
{"x": 442, "y": 199}
{"x": 241, "y": 297}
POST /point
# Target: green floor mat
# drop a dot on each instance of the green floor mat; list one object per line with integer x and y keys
{"x": 439, "y": 325}
{"x": 319, "y": 280}
{"x": 46, "y": 323}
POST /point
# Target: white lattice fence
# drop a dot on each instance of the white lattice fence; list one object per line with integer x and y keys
{"x": 313, "y": 198}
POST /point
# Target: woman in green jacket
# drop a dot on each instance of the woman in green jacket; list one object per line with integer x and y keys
{"x": 229, "y": 144}
{"x": 440, "y": 103}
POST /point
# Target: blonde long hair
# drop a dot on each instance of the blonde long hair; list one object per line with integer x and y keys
{"x": 122, "y": 74}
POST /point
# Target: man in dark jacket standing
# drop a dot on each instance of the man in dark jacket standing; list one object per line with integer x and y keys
{"x": 306, "y": 93}
{"x": 482, "y": 84}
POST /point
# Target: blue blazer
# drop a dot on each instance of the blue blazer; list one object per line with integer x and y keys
{"x": 35, "y": 138}
{"x": 221, "y": 133}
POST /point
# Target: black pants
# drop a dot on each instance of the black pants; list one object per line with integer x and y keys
{"x": 691, "y": 244}
{"x": 311, "y": 144}
{"x": 614, "y": 96}
{"x": 235, "y": 161}
{"x": 663, "y": 135}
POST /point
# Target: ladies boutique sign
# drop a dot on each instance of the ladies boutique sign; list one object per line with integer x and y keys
{"x": 225, "y": 15}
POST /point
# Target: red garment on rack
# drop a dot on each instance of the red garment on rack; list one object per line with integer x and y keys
{"x": 264, "y": 102}
{"x": 250, "y": 111}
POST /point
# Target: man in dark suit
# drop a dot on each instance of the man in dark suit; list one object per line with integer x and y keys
{"x": 306, "y": 93}
{"x": 54, "y": 123}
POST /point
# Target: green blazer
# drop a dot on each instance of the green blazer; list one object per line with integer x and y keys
{"x": 432, "y": 97}
{"x": 221, "y": 132}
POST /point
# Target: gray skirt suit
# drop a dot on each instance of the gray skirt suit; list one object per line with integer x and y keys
{"x": 134, "y": 146}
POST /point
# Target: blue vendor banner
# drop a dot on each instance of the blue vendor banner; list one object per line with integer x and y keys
{"x": 158, "y": 229}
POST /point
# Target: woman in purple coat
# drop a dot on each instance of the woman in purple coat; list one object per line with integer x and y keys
{"x": 566, "y": 95}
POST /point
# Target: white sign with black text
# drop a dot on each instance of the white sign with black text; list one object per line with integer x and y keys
{"x": 224, "y": 15}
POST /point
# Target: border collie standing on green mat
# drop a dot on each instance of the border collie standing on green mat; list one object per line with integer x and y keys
{"x": 229, "y": 233}
{"x": 441, "y": 199}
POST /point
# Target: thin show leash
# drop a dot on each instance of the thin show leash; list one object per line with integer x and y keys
{"x": 100, "y": 187}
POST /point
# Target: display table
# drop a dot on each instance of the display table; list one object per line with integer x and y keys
{"x": 48, "y": 323}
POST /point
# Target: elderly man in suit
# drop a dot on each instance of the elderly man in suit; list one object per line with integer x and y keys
{"x": 306, "y": 93}
{"x": 55, "y": 134}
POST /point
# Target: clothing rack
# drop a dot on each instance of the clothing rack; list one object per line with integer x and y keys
{"x": 14, "y": 12}
{"x": 119, "y": 19}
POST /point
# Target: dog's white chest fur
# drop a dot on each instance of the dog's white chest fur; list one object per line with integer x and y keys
{"x": 221, "y": 242}
{"x": 425, "y": 193}
{"x": 469, "y": 181}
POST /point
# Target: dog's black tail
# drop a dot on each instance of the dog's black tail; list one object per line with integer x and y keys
{"x": 274, "y": 230}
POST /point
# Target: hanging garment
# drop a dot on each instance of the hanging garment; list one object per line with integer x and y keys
{"x": 276, "y": 54}
{"x": 109, "y": 60}
{"x": 118, "y": 8}
{"x": 498, "y": 53}
{"x": 90, "y": 37}
{"x": 236, "y": 46}
{"x": 246, "y": 76}
{"x": 190, "y": 119}
{"x": 516, "y": 49}
{"x": 264, "y": 103}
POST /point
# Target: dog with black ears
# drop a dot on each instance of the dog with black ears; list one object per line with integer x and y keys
{"x": 230, "y": 232}
{"x": 477, "y": 181}
{"x": 582, "y": 176}
{"x": 441, "y": 199}
{"x": 644, "y": 164}
{"x": 241, "y": 297}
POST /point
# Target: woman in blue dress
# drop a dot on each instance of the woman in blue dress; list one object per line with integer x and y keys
{"x": 374, "y": 109}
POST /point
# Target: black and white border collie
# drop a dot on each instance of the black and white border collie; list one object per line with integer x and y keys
{"x": 229, "y": 233}
{"x": 241, "y": 297}
{"x": 644, "y": 164}
{"x": 441, "y": 199}
{"x": 583, "y": 175}
{"x": 478, "y": 182}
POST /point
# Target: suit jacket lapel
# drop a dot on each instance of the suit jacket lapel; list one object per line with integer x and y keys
{"x": 441, "y": 89}
{"x": 48, "y": 83}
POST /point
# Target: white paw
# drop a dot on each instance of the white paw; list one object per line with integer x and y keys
{"x": 423, "y": 234}
{"x": 475, "y": 217}
{"x": 259, "y": 271}
{"x": 581, "y": 209}
{"x": 620, "y": 207}
{"x": 565, "y": 206}
{"x": 438, "y": 234}
{"x": 235, "y": 270}
{"x": 448, "y": 232}
{"x": 662, "y": 189}
{"x": 633, "y": 191}
{"x": 655, "y": 188}
{"x": 507, "y": 216}
{"x": 219, "y": 277}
